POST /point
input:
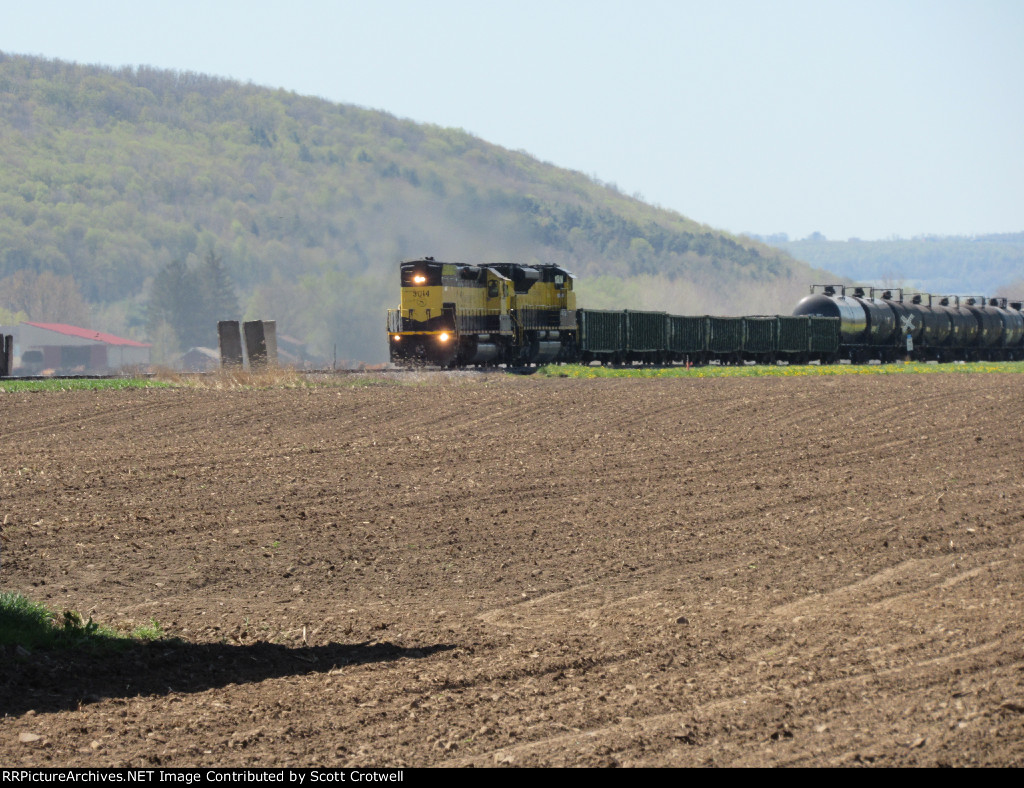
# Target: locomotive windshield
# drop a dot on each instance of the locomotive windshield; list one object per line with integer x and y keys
{"x": 421, "y": 274}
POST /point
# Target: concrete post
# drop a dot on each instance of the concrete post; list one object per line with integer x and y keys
{"x": 255, "y": 343}
{"x": 270, "y": 341}
{"x": 230, "y": 337}
{"x": 6, "y": 355}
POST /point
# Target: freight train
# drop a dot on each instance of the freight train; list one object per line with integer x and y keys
{"x": 459, "y": 315}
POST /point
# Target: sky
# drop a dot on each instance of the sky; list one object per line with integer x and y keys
{"x": 860, "y": 118}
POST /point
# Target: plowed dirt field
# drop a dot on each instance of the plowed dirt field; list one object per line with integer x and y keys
{"x": 484, "y": 570}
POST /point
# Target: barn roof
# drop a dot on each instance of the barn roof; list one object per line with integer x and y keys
{"x": 87, "y": 333}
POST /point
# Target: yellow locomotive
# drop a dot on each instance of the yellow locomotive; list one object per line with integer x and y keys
{"x": 454, "y": 314}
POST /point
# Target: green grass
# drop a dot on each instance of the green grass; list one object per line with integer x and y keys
{"x": 810, "y": 370}
{"x": 32, "y": 626}
{"x": 104, "y": 384}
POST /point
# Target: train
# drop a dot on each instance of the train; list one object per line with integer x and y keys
{"x": 477, "y": 315}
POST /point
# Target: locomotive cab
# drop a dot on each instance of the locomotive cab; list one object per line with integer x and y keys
{"x": 422, "y": 330}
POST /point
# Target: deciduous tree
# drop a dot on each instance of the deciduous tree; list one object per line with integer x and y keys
{"x": 44, "y": 298}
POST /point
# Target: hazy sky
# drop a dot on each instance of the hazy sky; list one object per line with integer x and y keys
{"x": 866, "y": 118}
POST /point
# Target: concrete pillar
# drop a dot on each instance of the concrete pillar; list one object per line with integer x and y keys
{"x": 261, "y": 343}
{"x": 270, "y": 340}
{"x": 230, "y": 337}
{"x": 6, "y": 355}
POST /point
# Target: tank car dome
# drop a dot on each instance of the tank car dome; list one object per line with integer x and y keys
{"x": 817, "y": 305}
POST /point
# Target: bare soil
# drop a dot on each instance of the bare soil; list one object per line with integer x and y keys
{"x": 486, "y": 570}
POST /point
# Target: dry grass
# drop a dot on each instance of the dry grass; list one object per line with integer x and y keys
{"x": 231, "y": 379}
{"x": 236, "y": 379}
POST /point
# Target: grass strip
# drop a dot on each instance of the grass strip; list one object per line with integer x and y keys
{"x": 765, "y": 371}
{"x": 31, "y": 625}
{"x": 80, "y": 384}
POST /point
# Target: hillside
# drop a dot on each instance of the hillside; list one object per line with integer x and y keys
{"x": 111, "y": 177}
{"x": 979, "y": 265}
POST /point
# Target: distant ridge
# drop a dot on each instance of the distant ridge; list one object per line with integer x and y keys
{"x": 110, "y": 174}
{"x": 976, "y": 265}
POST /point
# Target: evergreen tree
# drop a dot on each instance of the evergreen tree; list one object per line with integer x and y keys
{"x": 191, "y": 302}
{"x": 176, "y": 302}
{"x": 220, "y": 301}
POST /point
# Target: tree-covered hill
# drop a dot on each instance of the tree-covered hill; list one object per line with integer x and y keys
{"x": 117, "y": 182}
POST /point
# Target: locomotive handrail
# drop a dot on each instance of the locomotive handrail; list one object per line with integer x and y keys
{"x": 517, "y": 325}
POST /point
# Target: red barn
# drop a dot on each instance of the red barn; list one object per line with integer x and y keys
{"x": 70, "y": 350}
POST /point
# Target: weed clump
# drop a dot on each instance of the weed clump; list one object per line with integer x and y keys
{"x": 27, "y": 626}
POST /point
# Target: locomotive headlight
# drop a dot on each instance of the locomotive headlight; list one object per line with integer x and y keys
{"x": 443, "y": 337}
{"x": 419, "y": 279}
